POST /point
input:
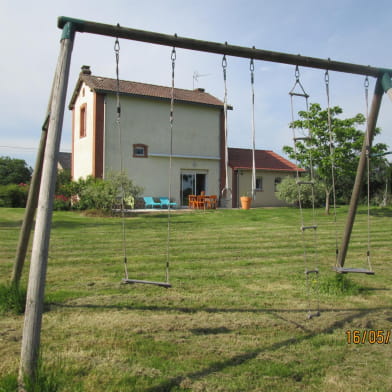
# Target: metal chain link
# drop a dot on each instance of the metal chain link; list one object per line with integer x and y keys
{"x": 118, "y": 122}
{"x": 252, "y": 81}
{"x": 332, "y": 157}
{"x": 368, "y": 147}
{"x": 226, "y": 190}
{"x": 171, "y": 121}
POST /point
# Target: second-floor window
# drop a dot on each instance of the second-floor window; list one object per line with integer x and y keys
{"x": 83, "y": 120}
{"x": 140, "y": 151}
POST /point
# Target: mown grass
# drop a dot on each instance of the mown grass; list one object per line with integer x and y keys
{"x": 235, "y": 319}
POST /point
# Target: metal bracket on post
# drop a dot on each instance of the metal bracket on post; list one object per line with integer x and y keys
{"x": 386, "y": 83}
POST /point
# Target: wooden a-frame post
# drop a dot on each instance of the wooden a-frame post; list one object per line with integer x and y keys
{"x": 383, "y": 85}
{"x": 31, "y": 205}
{"x": 39, "y": 256}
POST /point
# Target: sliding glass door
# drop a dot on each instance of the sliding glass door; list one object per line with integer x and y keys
{"x": 192, "y": 183}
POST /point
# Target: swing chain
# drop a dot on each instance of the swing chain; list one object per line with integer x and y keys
{"x": 224, "y": 66}
{"x": 252, "y": 72}
{"x": 366, "y": 85}
{"x": 326, "y": 78}
{"x": 297, "y": 74}
{"x": 173, "y": 59}
{"x": 118, "y": 121}
{"x": 117, "y": 53}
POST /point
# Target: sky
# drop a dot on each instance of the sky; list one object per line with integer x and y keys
{"x": 354, "y": 31}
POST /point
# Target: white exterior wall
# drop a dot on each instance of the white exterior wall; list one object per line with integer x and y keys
{"x": 266, "y": 197}
{"x": 83, "y": 147}
{"x": 196, "y": 131}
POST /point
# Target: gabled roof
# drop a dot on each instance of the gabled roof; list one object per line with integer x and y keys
{"x": 241, "y": 158}
{"x": 108, "y": 85}
{"x": 64, "y": 160}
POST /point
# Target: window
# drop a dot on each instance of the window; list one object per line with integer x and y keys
{"x": 259, "y": 183}
{"x": 83, "y": 120}
{"x": 278, "y": 180}
{"x": 140, "y": 151}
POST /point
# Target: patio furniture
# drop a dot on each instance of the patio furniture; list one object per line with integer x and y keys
{"x": 151, "y": 203}
{"x": 165, "y": 202}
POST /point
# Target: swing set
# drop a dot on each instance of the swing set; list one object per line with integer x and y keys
{"x": 45, "y": 175}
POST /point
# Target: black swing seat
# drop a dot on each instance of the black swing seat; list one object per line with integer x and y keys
{"x": 343, "y": 270}
{"x": 161, "y": 284}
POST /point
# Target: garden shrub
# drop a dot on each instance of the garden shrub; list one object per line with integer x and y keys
{"x": 13, "y": 195}
{"x": 95, "y": 193}
{"x": 287, "y": 191}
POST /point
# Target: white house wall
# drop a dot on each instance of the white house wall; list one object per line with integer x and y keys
{"x": 265, "y": 197}
{"x": 83, "y": 146}
{"x": 145, "y": 121}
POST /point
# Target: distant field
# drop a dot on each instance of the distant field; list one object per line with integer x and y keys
{"x": 236, "y": 317}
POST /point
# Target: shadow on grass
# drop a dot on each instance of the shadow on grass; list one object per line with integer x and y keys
{"x": 210, "y": 331}
{"x": 11, "y": 224}
{"x": 378, "y": 212}
{"x": 240, "y": 359}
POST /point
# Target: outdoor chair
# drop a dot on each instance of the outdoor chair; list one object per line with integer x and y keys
{"x": 151, "y": 203}
{"x": 192, "y": 201}
{"x": 165, "y": 202}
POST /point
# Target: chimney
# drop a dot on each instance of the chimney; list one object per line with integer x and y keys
{"x": 200, "y": 90}
{"x": 86, "y": 70}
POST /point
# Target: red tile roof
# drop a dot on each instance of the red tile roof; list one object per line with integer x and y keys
{"x": 241, "y": 158}
{"x": 108, "y": 85}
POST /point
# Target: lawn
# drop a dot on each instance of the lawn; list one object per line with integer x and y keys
{"x": 235, "y": 318}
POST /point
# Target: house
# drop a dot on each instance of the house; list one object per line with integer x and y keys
{"x": 143, "y": 148}
{"x": 139, "y": 143}
{"x": 271, "y": 168}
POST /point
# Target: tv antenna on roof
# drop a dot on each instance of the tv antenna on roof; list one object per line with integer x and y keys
{"x": 196, "y": 77}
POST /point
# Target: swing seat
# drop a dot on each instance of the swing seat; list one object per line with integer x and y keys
{"x": 161, "y": 284}
{"x": 343, "y": 270}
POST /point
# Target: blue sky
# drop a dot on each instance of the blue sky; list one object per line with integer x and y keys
{"x": 356, "y": 31}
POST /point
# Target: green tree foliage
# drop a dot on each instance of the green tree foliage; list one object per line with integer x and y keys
{"x": 13, "y": 195}
{"x": 14, "y": 171}
{"x": 347, "y": 146}
{"x": 96, "y": 193}
{"x": 287, "y": 191}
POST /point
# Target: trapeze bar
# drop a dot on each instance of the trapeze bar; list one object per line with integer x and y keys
{"x": 132, "y": 281}
{"x": 342, "y": 270}
{"x": 118, "y": 31}
{"x": 299, "y": 95}
{"x": 301, "y": 138}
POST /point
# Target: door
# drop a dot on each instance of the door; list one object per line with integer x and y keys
{"x": 192, "y": 183}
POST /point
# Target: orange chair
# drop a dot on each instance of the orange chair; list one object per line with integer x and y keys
{"x": 192, "y": 201}
{"x": 211, "y": 201}
{"x": 200, "y": 202}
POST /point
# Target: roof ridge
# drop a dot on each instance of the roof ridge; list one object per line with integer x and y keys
{"x": 197, "y": 90}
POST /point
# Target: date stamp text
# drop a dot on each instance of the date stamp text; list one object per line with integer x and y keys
{"x": 371, "y": 336}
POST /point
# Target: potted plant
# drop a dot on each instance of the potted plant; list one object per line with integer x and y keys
{"x": 245, "y": 202}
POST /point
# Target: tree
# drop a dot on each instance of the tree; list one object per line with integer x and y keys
{"x": 14, "y": 171}
{"x": 96, "y": 193}
{"x": 347, "y": 146}
{"x": 287, "y": 191}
